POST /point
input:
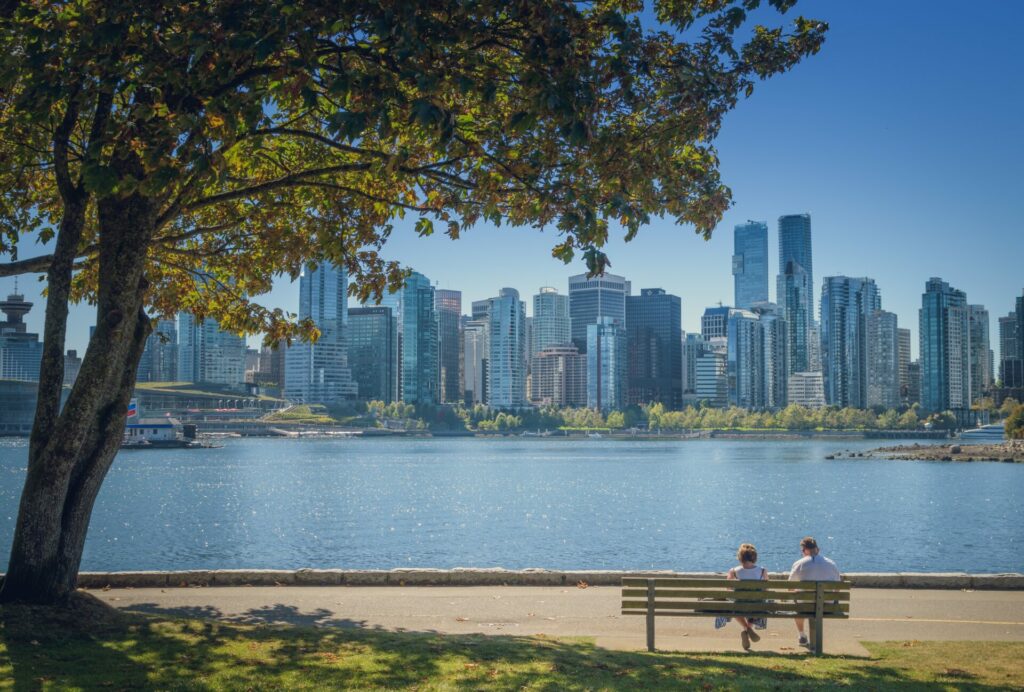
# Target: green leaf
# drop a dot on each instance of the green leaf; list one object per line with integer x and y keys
{"x": 98, "y": 179}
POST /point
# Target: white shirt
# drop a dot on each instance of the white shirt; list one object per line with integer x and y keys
{"x": 814, "y": 568}
{"x": 742, "y": 572}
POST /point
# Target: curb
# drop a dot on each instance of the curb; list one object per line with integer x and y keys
{"x": 503, "y": 577}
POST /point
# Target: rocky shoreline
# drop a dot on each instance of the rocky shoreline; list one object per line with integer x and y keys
{"x": 1011, "y": 451}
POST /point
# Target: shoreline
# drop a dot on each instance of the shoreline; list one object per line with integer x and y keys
{"x": 1009, "y": 452}
{"x": 503, "y": 577}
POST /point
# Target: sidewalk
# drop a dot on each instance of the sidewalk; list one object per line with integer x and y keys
{"x": 876, "y": 614}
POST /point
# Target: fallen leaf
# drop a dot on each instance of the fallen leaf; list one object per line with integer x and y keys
{"x": 461, "y": 619}
{"x": 582, "y": 584}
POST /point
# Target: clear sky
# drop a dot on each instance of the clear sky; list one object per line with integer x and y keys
{"x": 903, "y": 138}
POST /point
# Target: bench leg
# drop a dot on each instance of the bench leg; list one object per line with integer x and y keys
{"x": 650, "y": 615}
{"x": 819, "y": 632}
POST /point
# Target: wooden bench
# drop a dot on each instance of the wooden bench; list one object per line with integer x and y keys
{"x": 678, "y": 597}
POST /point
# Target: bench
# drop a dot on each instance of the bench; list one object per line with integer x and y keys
{"x": 680, "y": 597}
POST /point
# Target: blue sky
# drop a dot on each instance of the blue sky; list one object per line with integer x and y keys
{"x": 903, "y": 138}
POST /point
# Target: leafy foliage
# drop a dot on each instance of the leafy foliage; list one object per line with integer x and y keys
{"x": 265, "y": 135}
{"x": 1015, "y": 423}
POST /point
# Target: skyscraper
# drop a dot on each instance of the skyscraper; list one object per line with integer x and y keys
{"x": 419, "y": 371}
{"x": 714, "y": 323}
{"x": 712, "y": 379}
{"x": 606, "y": 365}
{"x": 550, "y": 320}
{"x": 159, "y": 362}
{"x": 1008, "y": 350}
{"x": 693, "y": 346}
{"x": 745, "y": 368}
{"x": 750, "y": 263}
{"x": 795, "y": 289}
{"x": 655, "y": 348}
{"x": 21, "y": 352}
{"x": 449, "y": 314}
{"x": 594, "y": 298}
{"x": 559, "y": 376}
{"x": 904, "y": 365}
{"x": 980, "y": 352}
{"x": 945, "y": 348}
{"x": 883, "y": 360}
{"x": 846, "y": 303}
{"x": 209, "y": 354}
{"x": 506, "y": 364}
{"x": 476, "y": 353}
{"x": 373, "y": 352}
{"x": 776, "y": 355}
{"x": 318, "y": 372}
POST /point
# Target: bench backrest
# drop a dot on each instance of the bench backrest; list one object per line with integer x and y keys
{"x": 678, "y": 597}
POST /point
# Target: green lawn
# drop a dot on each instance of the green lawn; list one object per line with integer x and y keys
{"x": 97, "y": 648}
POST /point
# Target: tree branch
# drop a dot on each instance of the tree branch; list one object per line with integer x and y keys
{"x": 34, "y": 265}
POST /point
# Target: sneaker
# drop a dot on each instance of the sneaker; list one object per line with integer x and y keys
{"x": 754, "y": 636}
{"x": 803, "y": 641}
{"x": 745, "y": 639}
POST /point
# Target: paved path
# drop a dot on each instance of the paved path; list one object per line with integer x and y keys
{"x": 876, "y": 614}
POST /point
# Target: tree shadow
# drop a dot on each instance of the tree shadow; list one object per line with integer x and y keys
{"x": 277, "y": 646}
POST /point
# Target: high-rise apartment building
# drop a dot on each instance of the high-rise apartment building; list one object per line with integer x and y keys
{"x": 883, "y": 360}
{"x": 712, "y": 379}
{"x": 559, "y": 377}
{"x": 693, "y": 347}
{"x": 593, "y": 298}
{"x": 914, "y": 382}
{"x": 448, "y": 305}
{"x": 475, "y": 352}
{"x": 506, "y": 364}
{"x": 795, "y": 290}
{"x": 714, "y": 323}
{"x": 419, "y": 369}
{"x": 903, "y": 335}
{"x": 21, "y": 352}
{"x": 373, "y": 352}
{"x": 654, "y": 336}
{"x": 980, "y": 351}
{"x": 606, "y": 365}
{"x": 318, "y": 372}
{"x": 159, "y": 362}
{"x": 776, "y": 355}
{"x": 550, "y": 320}
{"x": 795, "y": 243}
{"x": 745, "y": 368}
{"x": 807, "y": 389}
{"x": 750, "y": 263}
{"x": 846, "y": 303}
{"x": 209, "y": 354}
{"x": 945, "y": 348}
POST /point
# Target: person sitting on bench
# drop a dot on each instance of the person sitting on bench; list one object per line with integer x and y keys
{"x": 748, "y": 569}
{"x": 812, "y": 567}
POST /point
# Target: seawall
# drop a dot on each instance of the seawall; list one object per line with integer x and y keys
{"x": 503, "y": 577}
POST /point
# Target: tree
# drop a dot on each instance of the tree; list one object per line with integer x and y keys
{"x": 1008, "y": 406}
{"x": 180, "y": 156}
{"x": 1015, "y": 423}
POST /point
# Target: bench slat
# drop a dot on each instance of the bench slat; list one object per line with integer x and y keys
{"x": 730, "y": 583}
{"x": 712, "y": 607}
{"x": 711, "y": 593}
{"x": 776, "y": 616}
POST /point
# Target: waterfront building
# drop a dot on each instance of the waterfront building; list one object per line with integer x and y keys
{"x": 413, "y": 307}
{"x": 476, "y": 352}
{"x": 980, "y": 355}
{"x": 506, "y": 362}
{"x": 448, "y": 305}
{"x": 776, "y": 355}
{"x": 159, "y": 362}
{"x": 550, "y": 320}
{"x": 750, "y": 263}
{"x": 807, "y": 389}
{"x": 712, "y": 379}
{"x": 945, "y": 348}
{"x": 654, "y": 336}
{"x": 745, "y": 368}
{"x": 1007, "y": 346}
{"x": 883, "y": 360}
{"x": 795, "y": 291}
{"x": 373, "y": 352}
{"x": 318, "y": 372}
{"x": 606, "y": 365}
{"x": 846, "y": 303}
{"x": 21, "y": 352}
{"x": 208, "y": 354}
{"x": 591, "y": 299}
{"x": 693, "y": 347}
{"x": 559, "y": 377}
{"x": 903, "y": 335}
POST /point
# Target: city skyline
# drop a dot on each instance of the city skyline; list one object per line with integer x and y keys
{"x": 940, "y": 205}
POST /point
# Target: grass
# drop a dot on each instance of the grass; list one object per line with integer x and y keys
{"x": 312, "y": 414}
{"x": 92, "y": 646}
{"x": 210, "y": 391}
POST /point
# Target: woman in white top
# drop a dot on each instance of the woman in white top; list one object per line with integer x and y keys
{"x": 747, "y": 569}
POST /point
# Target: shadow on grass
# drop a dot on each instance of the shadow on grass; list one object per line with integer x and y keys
{"x": 92, "y": 645}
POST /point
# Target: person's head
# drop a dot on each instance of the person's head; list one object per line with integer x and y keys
{"x": 747, "y": 553}
{"x": 809, "y": 546}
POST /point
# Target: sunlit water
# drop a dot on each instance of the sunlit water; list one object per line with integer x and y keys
{"x": 515, "y": 503}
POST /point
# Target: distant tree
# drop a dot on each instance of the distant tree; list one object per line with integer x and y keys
{"x": 1008, "y": 406}
{"x": 181, "y": 155}
{"x": 1015, "y": 423}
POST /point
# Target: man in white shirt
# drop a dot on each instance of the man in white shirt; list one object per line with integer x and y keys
{"x": 812, "y": 567}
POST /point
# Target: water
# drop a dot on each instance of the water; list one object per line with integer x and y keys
{"x": 515, "y": 503}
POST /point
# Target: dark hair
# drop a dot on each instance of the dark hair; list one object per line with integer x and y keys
{"x": 747, "y": 553}
{"x": 808, "y": 543}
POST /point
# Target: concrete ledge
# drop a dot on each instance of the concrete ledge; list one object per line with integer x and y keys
{"x": 496, "y": 576}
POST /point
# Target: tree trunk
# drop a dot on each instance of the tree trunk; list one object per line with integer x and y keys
{"x": 66, "y": 467}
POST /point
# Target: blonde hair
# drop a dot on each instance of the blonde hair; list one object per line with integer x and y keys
{"x": 747, "y": 553}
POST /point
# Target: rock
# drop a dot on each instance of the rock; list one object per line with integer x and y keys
{"x": 830, "y": 456}
{"x": 955, "y": 449}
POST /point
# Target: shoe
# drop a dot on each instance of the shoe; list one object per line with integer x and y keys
{"x": 745, "y": 639}
{"x": 803, "y": 641}
{"x": 754, "y": 636}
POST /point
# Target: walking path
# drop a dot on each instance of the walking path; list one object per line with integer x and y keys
{"x": 876, "y": 614}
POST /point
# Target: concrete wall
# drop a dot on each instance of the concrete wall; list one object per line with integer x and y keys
{"x": 497, "y": 576}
